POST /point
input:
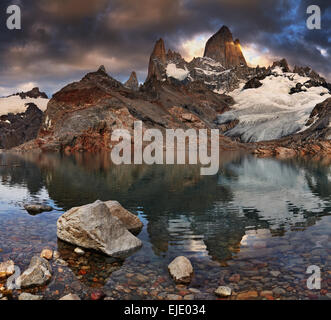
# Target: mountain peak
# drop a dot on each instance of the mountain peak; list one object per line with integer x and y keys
{"x": 158, "y": 56}
{"x": 132, "y": 83}
{"x": 221, "y": 48}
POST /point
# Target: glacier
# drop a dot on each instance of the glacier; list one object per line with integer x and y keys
{"x": 270, "y": 112}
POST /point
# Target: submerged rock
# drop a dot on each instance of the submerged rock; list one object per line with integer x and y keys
{"x": 181, "y": 270}
{"x": 130, "y": 221}
{"x": 70, "y": 296}
{"x": 47, "y": 254}
{"x": 7, "y": 269}
{"x": 28, "y": 296}
{"x": 223, "y": 292}
{"x": 38, "y": 273}
{"x": 94, "y": 227}
{"x": 79, "y": 251}
{"x": 37, "y": 208}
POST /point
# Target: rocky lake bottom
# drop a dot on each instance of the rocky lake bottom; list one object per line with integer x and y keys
{"x": 255, "y": 227}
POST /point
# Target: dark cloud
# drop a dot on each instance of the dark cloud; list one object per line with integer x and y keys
{"x": 61, "y": 40}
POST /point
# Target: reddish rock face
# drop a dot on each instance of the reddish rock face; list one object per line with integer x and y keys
{"x": 223, "y": 49}
{"x": 158, "y": 56}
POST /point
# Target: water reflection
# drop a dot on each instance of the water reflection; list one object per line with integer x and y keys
{"x": 184, "y": 211}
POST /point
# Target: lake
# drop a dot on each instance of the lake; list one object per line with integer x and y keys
{"x": 256, "y": 226}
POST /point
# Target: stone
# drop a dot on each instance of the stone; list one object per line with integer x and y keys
{"x": 181, "y": 270}
{"x": 79, "y": 251}
{"x": 189, "y": 297}
{"x": 130, "y": 221}
{"x": 38, "y": 273}
{"x": 7, "y": 269}
{"x": 174, "y": 297}
{"x": 56, "y": 255}
{"x": 278, "y": 291}
{"x": 37, "y": 208}
{"x": 275, "y": 273}
{"x": 47, "y": 254}
{"x": 28, "y": 296}
{"x": 266, "y": 293}
{"x": 93, "y": 227}
{"x": 70, "y": 296}
{"x": 223, "y": 292}
{"x": 247, "y": 295}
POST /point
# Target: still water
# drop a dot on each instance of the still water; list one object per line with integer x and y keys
{"x": 255, "y": 226}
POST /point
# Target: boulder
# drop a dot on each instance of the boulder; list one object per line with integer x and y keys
{"x": 29, "y": 297}
{"x": 7, "y": 269}
{"x": 70, "y": 296}
{"x": 38, "y": 273}
{"x": 94, "y": 227}
{"x": 130, "y": 221}
{"x": 181, "y": 270}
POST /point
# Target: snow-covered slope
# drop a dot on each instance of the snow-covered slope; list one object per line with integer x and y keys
{"x": 15, "y": 104}
{"x": 270, "y": 112}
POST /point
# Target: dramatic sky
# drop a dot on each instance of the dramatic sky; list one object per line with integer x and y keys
{"x": 61, "y": 40}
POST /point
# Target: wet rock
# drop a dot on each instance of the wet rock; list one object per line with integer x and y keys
{"x": 79, "y": 251}
{"x": 93, "y": 227}
{"x": 28, "y": 296}
{"x": 38, "y": 273}
{"x": 247, "y": 295}
{"x": 47, "y": 254}
{"x": 223, "y": 292}
{"x": 7, "y": 269}
{"x": 181, "y": 270}
{"x": 37, "y": 208}
{"x": 278, "y": 291}
{"x": 97, "y": 295}
{"x": 275, "y": 273}
{"x": 70, "y": 296}
{"x": 174, "y": 297}
{"x": 130, "y": 221}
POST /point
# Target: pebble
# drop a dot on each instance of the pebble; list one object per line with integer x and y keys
{"x": 71, "y": 297}
{"x": 47, "y": 254}
{"x": 278, "y": 291}
{"x": 28, "y": 296}
{"x": 223, "y": 292}
{"x": 247, "y": 295}
{"x": 275, "y": 273}
{"x": 79, "y": 251}
{"x": 174, "y": 297}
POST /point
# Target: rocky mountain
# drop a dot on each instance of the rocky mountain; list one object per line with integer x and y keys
{"x": 132, "y": 83}
{"x": 289, "y": 108}
{"x": 82, "y": 116}
{"x": 15, "y": 129}
{"x": 221, "y": 48}
{"x": 34, "y": 93}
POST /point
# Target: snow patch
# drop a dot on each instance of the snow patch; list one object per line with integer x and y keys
{"x": 177, "y": 73}
{"x": 15, "y": 104}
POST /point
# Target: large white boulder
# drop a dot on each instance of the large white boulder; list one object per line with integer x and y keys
{"x": 94, "y": 227}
